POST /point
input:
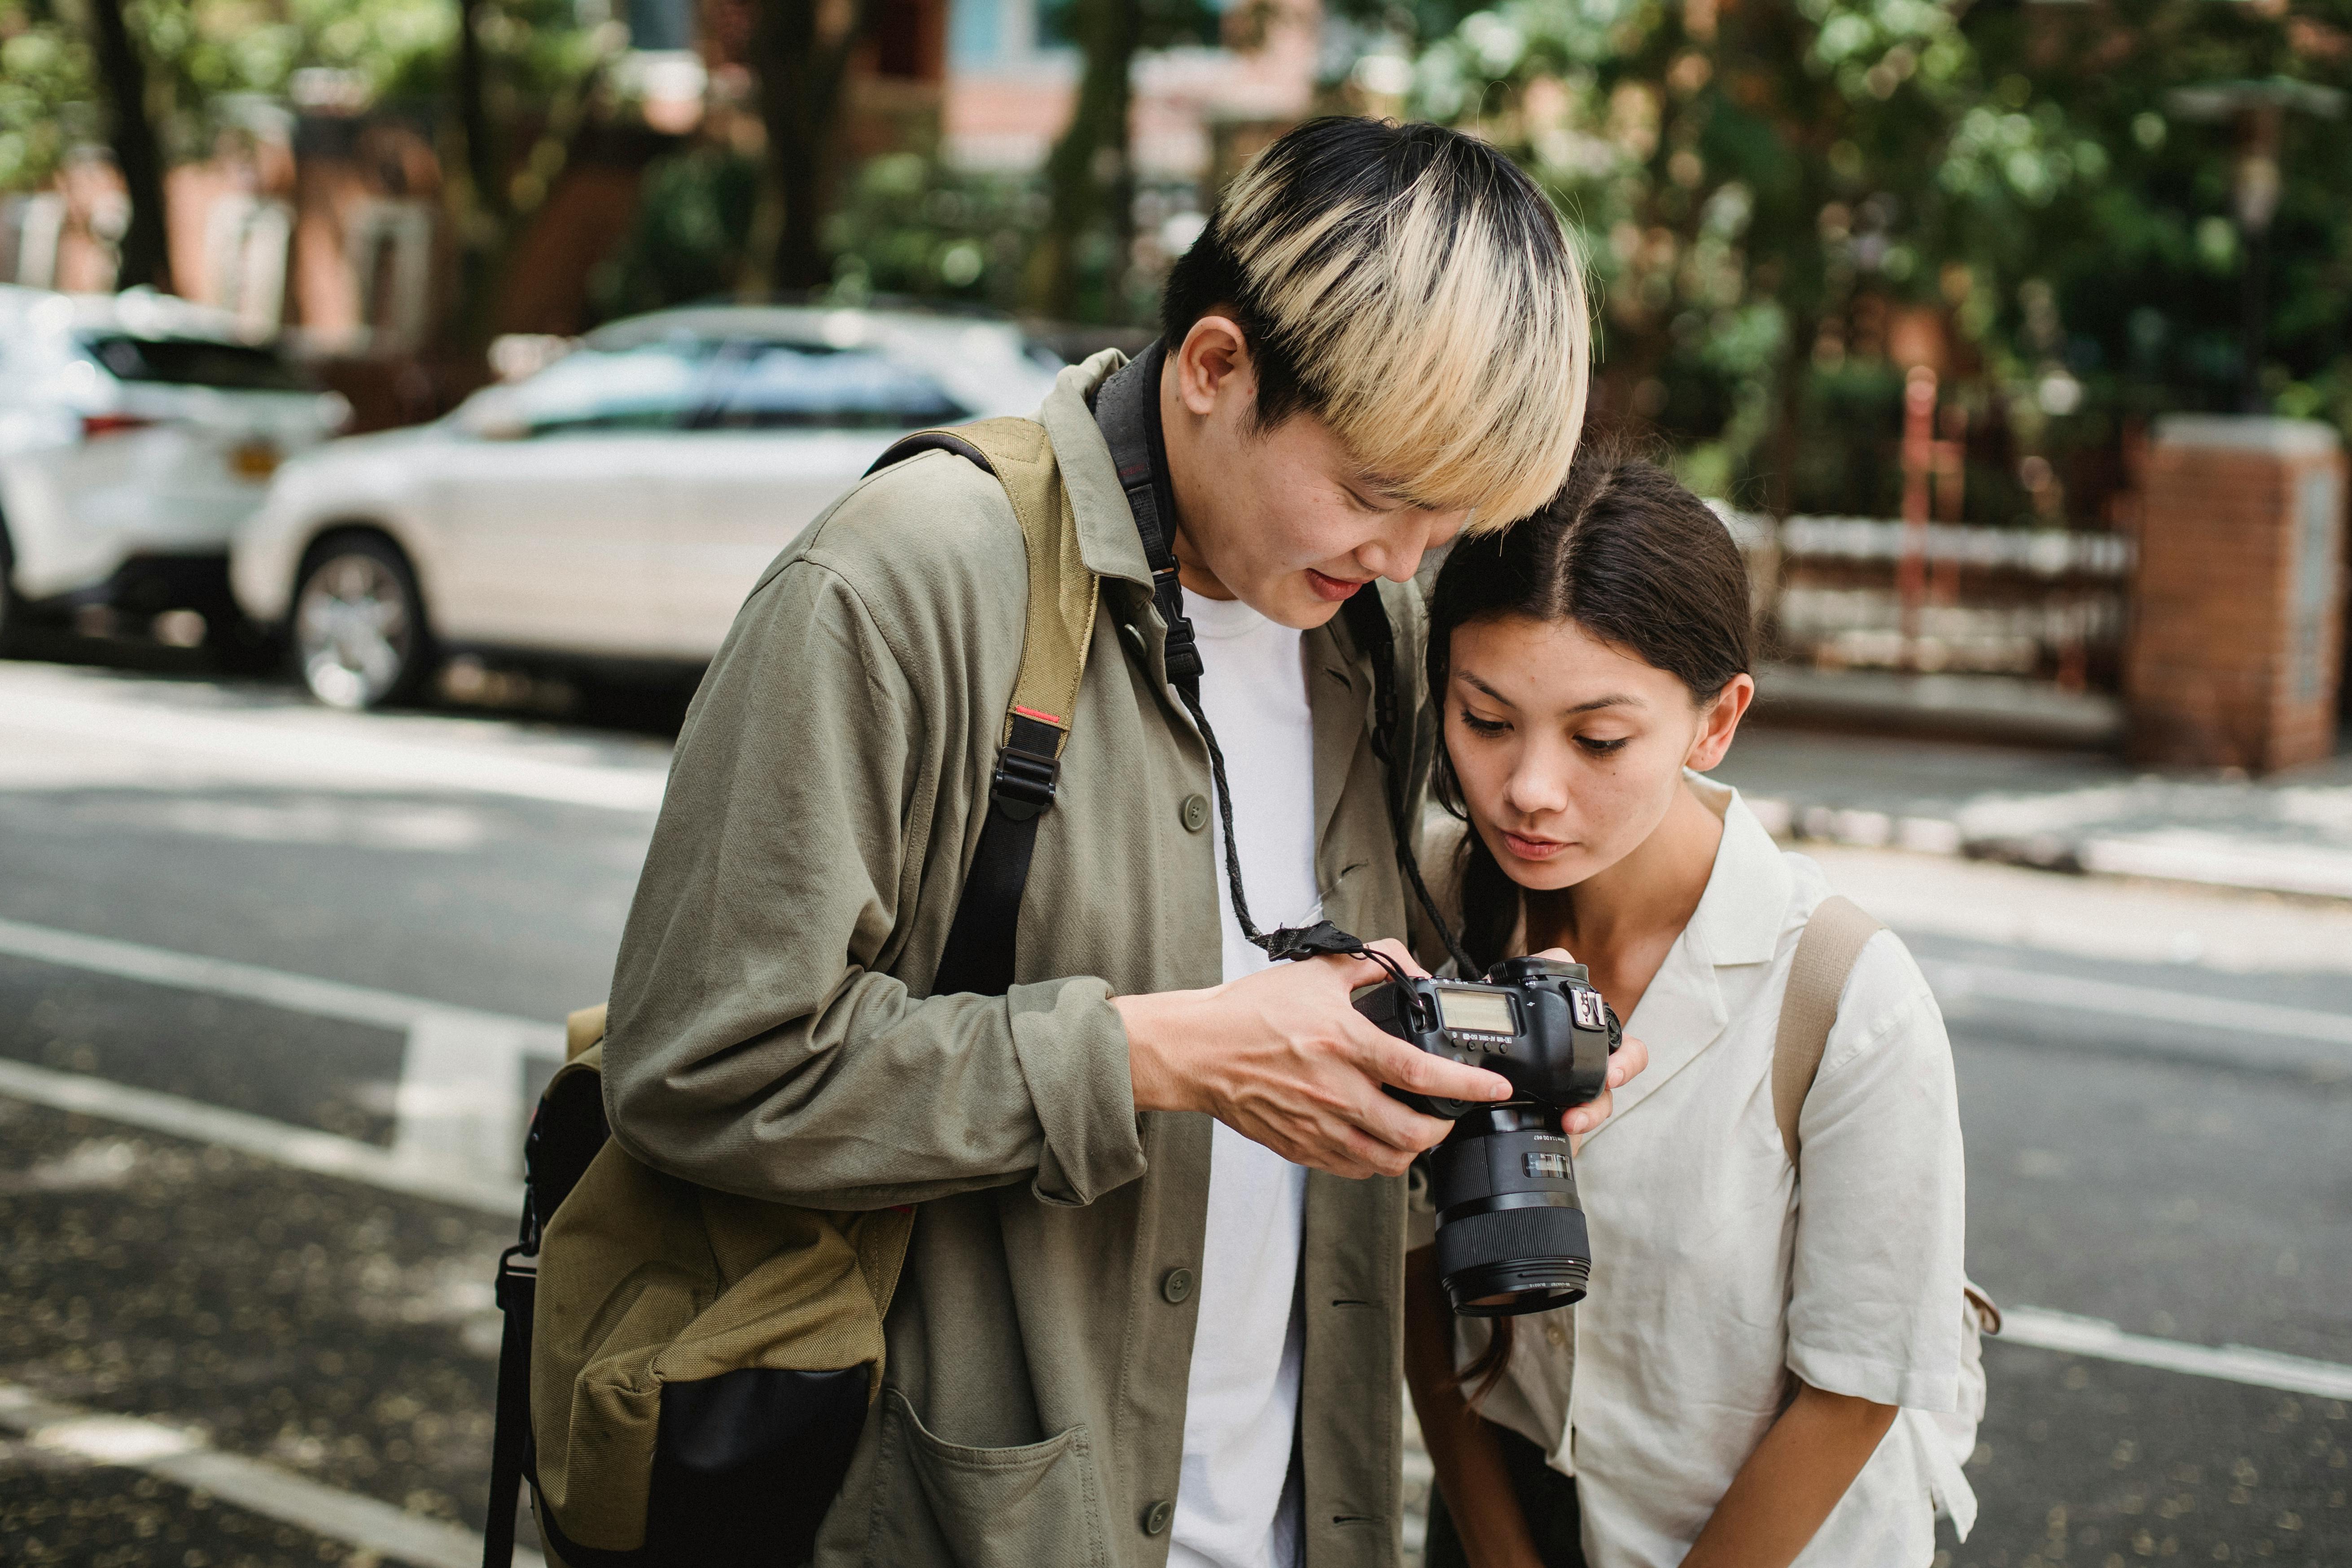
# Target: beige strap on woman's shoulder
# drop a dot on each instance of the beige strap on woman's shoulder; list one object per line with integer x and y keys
{"x": 1833, "y": 938}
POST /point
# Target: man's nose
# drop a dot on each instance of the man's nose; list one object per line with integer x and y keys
{"x": 1397, "y": 558}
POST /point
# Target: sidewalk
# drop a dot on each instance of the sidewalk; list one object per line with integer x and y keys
{"x": 2061, "y": 810}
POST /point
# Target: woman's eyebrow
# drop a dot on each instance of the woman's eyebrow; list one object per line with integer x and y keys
{"x": 1615, "y": 700}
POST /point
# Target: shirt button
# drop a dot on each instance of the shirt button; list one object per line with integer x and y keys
{"x": 1177, "y": 1285}
{"x": 1194, "y": 813}
{"x": 1156, "y": 1517}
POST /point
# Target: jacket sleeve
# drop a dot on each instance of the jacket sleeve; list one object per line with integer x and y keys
{"x": 754, "y": 1044}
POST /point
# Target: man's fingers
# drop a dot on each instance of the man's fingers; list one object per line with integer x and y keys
{"x": 1397, "y": 951}
{"x": 1360, "y": 972}
{"x": 1392, "y": 1061}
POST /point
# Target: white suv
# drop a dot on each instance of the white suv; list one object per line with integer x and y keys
{"x": 615, "y": 508}
{"x": 136, "y": 432}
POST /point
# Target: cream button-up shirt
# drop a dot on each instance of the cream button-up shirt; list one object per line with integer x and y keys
{"x": 1716, "y": 1276}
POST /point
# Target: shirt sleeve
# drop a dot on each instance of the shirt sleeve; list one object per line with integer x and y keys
{"x": 1874, "y": 1305}
{"x": 755, "y": 1046}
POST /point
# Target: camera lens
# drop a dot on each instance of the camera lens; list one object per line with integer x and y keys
{"x": 1511, "y": 1237}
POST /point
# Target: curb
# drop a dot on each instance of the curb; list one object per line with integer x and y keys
{"x": 2190, "y": 856}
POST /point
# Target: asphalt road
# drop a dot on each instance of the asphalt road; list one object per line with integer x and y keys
{"x": 179, "y": 1300}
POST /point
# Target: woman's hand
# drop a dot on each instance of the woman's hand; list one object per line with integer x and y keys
{"x": 1624, "y": 1064}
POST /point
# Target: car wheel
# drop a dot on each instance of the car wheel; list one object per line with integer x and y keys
{"x": 359, "y": 634}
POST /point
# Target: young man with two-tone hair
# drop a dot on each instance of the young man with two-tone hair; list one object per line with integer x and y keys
{"x": 1151, "y": 1309}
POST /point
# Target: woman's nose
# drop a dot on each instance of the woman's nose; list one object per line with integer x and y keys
{"x": 1535, "y": 788}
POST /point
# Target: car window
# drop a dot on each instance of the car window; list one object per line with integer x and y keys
{"x": 652, "y": 388}
{"x": 778, "y": 387}
{"x": 195, "y": 362}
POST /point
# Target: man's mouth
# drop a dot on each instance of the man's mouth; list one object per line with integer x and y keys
{"x": 1334, "y": 589}
{"x": 1527, "y": 848}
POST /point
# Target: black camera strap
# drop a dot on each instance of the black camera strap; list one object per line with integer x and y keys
{"x": 1127, "y": 408}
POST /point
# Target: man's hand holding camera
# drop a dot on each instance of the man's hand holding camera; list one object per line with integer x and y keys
{"x": 1284, "y": 1058}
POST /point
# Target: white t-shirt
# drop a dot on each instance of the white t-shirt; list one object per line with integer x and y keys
{"x": 1712, "y": 1282}
{"x": 1240, "y": 1407}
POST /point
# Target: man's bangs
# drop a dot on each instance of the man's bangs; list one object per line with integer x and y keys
{"x": 1435, "y": 319}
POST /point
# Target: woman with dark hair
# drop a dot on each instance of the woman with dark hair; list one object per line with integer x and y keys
{"x": 1749, "y": 1379}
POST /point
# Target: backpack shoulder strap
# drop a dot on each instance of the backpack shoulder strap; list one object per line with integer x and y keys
{"x": 1062, "y": 594}
{"x": 1833, "y": 938}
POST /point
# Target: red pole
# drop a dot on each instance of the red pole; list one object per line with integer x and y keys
{"x": 1919, "y": 461}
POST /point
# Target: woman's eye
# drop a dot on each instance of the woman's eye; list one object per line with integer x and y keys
{"x": 1478, "y": 726}
{"x": 1600, "y": 748}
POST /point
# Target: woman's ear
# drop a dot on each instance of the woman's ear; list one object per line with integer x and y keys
{"x": 1718, "y": 722}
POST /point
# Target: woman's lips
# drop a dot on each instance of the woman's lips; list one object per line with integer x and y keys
{"x": 1532, "y": 848}
{"x": 1332, "y": 588}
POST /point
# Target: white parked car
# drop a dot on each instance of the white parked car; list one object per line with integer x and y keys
{"x": 136, "y": 432}
{"x": 616, "y": 507}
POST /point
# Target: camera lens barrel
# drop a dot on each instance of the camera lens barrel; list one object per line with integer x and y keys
{"x": 1511, "y": 1238}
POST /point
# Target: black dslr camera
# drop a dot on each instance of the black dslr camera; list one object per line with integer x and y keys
{"x": 1510, "y": 1234}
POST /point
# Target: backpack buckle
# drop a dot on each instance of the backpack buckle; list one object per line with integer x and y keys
{"x": 517, "y": 1278}
{"x": 1023, "y": 785}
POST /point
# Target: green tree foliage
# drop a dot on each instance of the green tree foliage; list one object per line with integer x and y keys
{"x": 1773, "y": 195}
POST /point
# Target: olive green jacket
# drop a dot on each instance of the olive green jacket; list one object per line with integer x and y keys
{"x": 770, "y": 1034}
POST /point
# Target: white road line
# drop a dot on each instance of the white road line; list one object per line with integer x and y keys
{"x": 183, "y": 1456}
{"x": 303, "y": 1149}
{"x": 2038, "y": 989}
{"x": 301, "y": 746}
{"x": 2096, "y": 1337}
{"x": 461, "y": 1074}
{"x": 251, "y": 982}
{"x": 326, "y": 1154}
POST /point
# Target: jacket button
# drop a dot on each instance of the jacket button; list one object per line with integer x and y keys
{"x": 1195, "y": 812}
{"x": 1177, "y": 1286}
{"x": 1156, "y": 1517}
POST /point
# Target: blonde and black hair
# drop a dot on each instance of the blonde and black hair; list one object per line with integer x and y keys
{"x": 1411, "y": 288}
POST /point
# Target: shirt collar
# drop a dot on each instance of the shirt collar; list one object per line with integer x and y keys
{"x": 1739, "y": 917}
{"x": 1108, "y": 541}
{"x": 1738, "y": 922}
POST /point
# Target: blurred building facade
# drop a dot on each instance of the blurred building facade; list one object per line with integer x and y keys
{"x": 324, "y": 213}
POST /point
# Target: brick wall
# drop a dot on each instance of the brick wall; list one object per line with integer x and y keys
{"x": 2236, "y": 643}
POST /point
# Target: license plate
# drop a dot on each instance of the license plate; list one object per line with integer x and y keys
{"x": 253, "y": 460}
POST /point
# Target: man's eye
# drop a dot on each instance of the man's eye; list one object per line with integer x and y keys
{"x": 1600, "y": 748}
{"x": 1478, "y": 726}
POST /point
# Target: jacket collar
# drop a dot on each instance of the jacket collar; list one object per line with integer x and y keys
{"x": 1738, "y": 922}
{"x": 1339, "y": 695}
{"x": 1107, "y": 542}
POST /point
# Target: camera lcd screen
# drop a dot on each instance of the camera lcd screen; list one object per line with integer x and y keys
{"x": 1487, "y": 1012}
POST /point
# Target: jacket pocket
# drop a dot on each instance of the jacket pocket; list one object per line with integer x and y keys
{"x": 1037, "y": 1506}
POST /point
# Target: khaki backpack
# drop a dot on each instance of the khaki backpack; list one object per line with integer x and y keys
{"x": 1833, "y": 939}
{"x": 685, "y": 1372}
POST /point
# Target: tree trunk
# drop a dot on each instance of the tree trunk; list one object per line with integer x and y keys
{"x": 1090, "y": 174}
{"x": 800, "y": 79}
{"x": 145, "y": 256}
{"x": 482, "y": 170}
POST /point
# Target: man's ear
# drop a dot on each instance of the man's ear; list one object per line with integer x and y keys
{"x": 1720, "y": 722}
{"x": 1212, "y": 366}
